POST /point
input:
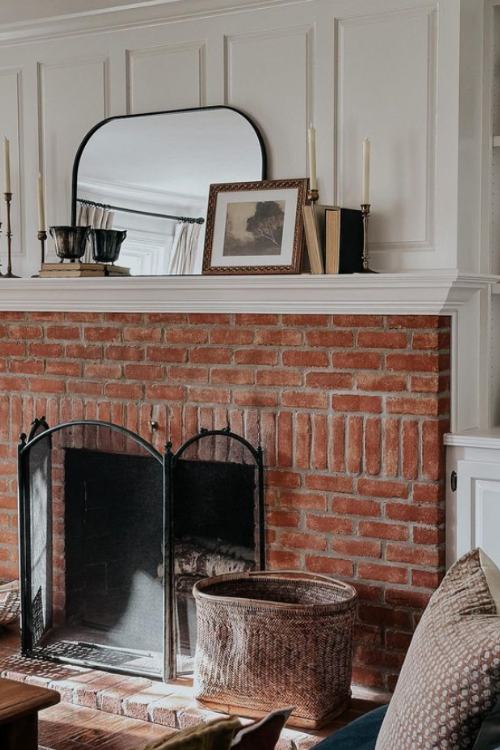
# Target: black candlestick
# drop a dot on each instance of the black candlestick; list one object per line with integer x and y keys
{"x": 42, "y": 236}
{"x": 8, "y": 234}
{"x": 365, "y": 211}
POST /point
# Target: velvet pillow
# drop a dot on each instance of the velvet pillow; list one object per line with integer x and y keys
{"x": 450, "y": 679}
{"x": 263, "y": 734}
{"x": 216, "y": 735}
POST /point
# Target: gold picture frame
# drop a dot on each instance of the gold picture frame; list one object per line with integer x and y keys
{"x": 248, "y": 222}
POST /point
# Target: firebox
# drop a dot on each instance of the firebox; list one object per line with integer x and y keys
{"x": 114, "y": 534}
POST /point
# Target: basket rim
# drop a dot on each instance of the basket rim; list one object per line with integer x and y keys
{"x": 9, "y": 585}
{"x": 248, "y": 602}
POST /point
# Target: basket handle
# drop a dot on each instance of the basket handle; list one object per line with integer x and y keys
{"x": 297, "y": 575}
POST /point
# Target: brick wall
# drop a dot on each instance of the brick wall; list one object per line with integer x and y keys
{"x": 351, "y": 410}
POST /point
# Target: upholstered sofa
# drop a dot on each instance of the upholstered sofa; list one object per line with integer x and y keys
{"x": 362, "y": 733}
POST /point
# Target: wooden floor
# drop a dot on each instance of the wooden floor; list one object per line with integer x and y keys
{"x": 68, "y": 727}
{"x": 76, "y": 723}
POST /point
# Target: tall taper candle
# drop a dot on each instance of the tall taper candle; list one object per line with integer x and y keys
{"x": 41, "y": 205}
{"x": 365, "y": 191}
{"x": 6, "y": 156}
{"x": 311, "y": 142}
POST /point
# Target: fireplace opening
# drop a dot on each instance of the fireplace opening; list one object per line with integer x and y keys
{"x": 114, "y": 535}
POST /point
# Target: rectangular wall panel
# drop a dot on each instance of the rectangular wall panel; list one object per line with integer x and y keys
{"x": 487, "y": 517}
{"x": 386, "y": 72}
{"x": 267, "y": 76}
{"x": 73, "y": 98}
{"x": 167, "y": 77}
{"x": 11, "y": 127}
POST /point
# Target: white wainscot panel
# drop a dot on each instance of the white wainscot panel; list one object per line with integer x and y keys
{"x": 386, "y": 92}
{"x": 166, "y": 77}
{"x": 10, "y": 92}
{"x": 487, "y": 517}
{"x": 73, "y": 96}
{"x": 478, "y": 508}
{"x": 267, "y": 75}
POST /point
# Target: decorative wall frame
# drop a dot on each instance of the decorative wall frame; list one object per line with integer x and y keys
{"x": 255, "y": 227}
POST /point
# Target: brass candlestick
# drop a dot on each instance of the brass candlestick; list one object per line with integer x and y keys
{"x": 365, "y": 211}
{"x": 312, "y": 195}
{"x": 8, "y": 234}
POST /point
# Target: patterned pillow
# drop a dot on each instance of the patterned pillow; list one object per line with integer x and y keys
{"x": 450, "y": 678}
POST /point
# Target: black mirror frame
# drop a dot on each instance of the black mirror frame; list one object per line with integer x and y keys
{"x": 88, "y": 136}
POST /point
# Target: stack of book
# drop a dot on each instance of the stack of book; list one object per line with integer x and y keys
{"x": 79, "y": 270}
{"x": 334, "y": 238}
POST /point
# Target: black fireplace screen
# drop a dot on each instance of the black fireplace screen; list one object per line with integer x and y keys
{"x": 114, "y": 534}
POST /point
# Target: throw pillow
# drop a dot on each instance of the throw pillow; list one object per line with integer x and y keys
{"x": 263, "y": 734}
{"x": 216, "y": 735}
{"x": 450, "y": 678}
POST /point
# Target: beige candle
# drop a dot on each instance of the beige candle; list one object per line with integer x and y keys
{"x": 311, "y": 142}
{"x": 6, "y": 157}
{"x": 41, "y": 205}
{"x": 365, "y": 191}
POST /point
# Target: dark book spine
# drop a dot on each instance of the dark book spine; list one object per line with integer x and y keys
{"x": 351, "y": 241}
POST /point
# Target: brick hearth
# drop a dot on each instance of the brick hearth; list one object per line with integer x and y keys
{"x": 125, "y": 713}
{"x": 351, "y": 410}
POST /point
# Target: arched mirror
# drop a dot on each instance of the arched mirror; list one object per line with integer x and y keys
{"x": 150, "y": 174}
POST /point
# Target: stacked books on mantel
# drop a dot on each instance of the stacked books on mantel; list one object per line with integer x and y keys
{"x": 79, "y": 270}
{"x": 334, "y": 238}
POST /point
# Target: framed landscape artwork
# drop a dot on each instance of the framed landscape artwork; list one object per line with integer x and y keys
{"x": 255, "y": 227}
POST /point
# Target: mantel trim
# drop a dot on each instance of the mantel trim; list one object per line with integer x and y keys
{"x": 439, "y": 292}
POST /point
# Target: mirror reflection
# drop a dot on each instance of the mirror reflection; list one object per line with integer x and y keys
{"x": 149, "y": 176}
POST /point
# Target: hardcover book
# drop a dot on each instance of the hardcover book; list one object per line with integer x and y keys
{"x": 81, "y": 270}
{"x": 334, "y": 238}
{"x": 344, "y": 240}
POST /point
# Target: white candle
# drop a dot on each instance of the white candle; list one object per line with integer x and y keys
{"x": 6, "y": 157}
{"x": 365, "y": 191}
{"x": 41, "y": 205}
{"x": 311, "y": 142}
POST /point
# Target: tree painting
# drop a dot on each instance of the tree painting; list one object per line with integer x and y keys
{"x": 254, "y": 228}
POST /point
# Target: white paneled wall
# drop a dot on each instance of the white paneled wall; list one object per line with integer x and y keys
{"x": 166, "y": 77}
{"x": 385, "y": 69}
{"x": 60, "y": 127}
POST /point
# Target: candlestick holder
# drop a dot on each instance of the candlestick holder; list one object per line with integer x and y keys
{"x": 312, "y": 195}
{"x": 42, "y": 236}
{"x": 365, "y": 211}
{"x": 8, "y": 234}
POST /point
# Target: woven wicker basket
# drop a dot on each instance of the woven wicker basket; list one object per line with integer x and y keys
{"x": 9, "y": 602}
{"x": 274, "y": 639}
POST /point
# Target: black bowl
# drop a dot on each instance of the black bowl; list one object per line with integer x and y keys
{"x": 106, "y": 244}
{"x": 70, "y": 242}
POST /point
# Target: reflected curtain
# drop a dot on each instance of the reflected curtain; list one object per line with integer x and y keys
{"x": 184, "y": 246}
{"x": 97, "y": 217}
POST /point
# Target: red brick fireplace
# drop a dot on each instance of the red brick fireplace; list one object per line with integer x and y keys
{"x": 351, "y": 410}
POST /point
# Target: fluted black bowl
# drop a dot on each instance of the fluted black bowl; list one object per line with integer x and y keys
{"x": 106, "y": 244}
{"x": 70, "y": 242}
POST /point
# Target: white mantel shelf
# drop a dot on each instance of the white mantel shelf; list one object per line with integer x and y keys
{"x": 397, "y": 293}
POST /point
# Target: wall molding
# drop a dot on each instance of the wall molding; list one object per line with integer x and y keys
{"x": 133, "y": 55}
{"x": 129, "y": 16}
{"x": 429, "y": 12}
